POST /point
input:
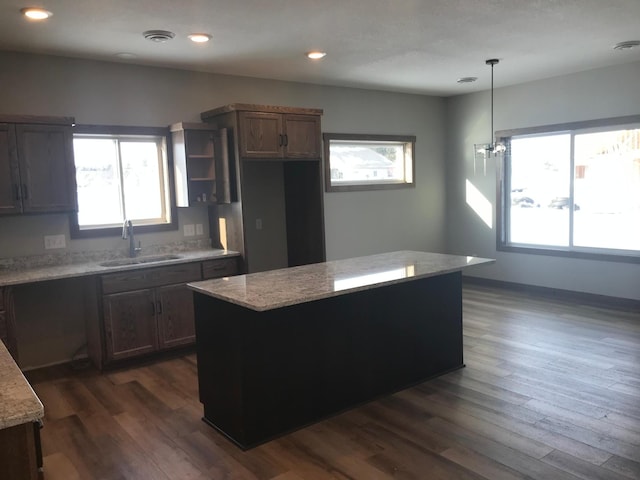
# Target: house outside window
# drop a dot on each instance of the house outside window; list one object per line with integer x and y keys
{"x": 368, "y": 162}
{"x": 572, "y": 189}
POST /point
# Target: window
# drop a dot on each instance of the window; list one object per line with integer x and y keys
{"x": 572, "y": 190}
{"x": 121, "y": 173}
{"x": 368, "y": 162}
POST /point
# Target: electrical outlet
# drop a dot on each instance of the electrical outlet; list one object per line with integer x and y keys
{"x": 258, "y": 224}
{"x": 189, "y": 230}
{"x": 199, "y": 229}
{"x": 54, "y": 241}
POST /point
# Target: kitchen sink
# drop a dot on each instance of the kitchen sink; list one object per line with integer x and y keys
{"x": 121, "y": 262}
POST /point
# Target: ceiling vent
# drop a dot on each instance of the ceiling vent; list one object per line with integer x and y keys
{"x": 158, "y": 36}
{"x": 628, "y": 45}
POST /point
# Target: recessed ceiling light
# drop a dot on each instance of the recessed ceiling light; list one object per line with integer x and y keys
{"x": 467, "y": 79}
{"x": 158, "y": 36}
{"x": 199, "y": 37}
{"x": 36, "y": 13}
{"x": 628, "y": 45}
{"x": 126, "y": 55}
{"x": 316, "y": 55}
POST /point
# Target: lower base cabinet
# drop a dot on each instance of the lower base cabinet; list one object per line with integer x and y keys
{"x": 149, "y": 310}
{"x": 129, "y": 324}
{"x": 176, "y": 325}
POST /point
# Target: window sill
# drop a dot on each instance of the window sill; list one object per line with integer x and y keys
{"x": 579, "y": 254}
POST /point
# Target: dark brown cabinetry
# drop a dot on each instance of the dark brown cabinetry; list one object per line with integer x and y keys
{"x": 130, "y": 324}
{"x": 7, "y": 322}
{"x": 37, "y": 172}
{"x": 277, "y": 219}
{"x": 149, "y": 310}
{"x": 275, "y": 135}
{"x": 201, "y": 164}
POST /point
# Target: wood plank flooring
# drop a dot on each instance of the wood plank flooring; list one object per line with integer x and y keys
{"x": 551, "y": 391}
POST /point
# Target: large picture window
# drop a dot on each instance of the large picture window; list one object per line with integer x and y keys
{"x": 121, "y": 173}
{"x": 368, "y": 162}
{"x": 572, "y": 189}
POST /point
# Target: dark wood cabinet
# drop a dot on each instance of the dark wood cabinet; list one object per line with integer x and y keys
{"x": 176, "y": 325}
{"x": 10, "y": 201}
{"x": 130, "y": 324}
{"x": 36, "y": 165}
{"x": 277, "y": 219}
{"x": 7, "y": 322}
{"x": 148, "y": 310}
{"x": 275, "y": 135}
{"x": 201, "y": 164}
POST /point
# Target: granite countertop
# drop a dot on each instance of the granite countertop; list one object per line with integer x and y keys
{"x": 290, "y": 286}
{"x": 18, "y": 402}
{"x": 28, "y": 274}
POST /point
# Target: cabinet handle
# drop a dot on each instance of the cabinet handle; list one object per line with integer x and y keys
{"x": 280, "y": 140}
{"x": 159, "y": 308}
{"x": 153, "y": 308}
{"x": 286, "y": 140}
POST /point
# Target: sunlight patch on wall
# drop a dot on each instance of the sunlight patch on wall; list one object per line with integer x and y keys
{"x": 479, "y": 204}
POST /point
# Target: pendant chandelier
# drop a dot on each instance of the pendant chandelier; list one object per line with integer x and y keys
{"x": 493, "y": 149}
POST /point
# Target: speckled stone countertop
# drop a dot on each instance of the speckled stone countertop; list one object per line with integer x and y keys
{"x": 18, "y": 402}
{"x": 17, "y": 276}
{"x": 291, "y": 286}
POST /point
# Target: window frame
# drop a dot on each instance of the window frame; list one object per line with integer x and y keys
{"x": 356, "y": 137}
{"x": 120, "y": 130}
{"x": 503, "y": 190}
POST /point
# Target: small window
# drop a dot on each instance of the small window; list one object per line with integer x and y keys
{"x": 368, "y": 162}
{"x": 121, "y": 173}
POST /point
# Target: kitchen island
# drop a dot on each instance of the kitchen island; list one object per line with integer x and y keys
{"x": 281, "y": 349}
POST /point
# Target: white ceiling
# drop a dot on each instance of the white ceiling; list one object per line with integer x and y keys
{"x": 416, "y": 46}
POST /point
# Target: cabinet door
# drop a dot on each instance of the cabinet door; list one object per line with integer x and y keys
{"x": 9, "y": 178}
{"x": 301, "y": 136}
{"x": 7, "y": 322}
{"x": 261, "y": 135}
{"x": 130, "y": 324}
{"x": 47, "y": 171}
{"x": 176, "y": 324}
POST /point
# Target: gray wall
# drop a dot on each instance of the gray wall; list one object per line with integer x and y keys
{"x": 602, "y": 93}
{"x": 117, "y": 94}
{"x": 357, "y": 223}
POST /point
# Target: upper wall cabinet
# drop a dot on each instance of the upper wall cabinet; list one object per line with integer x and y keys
{"x": 201, "y": 162}
{"x": 275, "y": 132}
{"x": 37, "y": 172}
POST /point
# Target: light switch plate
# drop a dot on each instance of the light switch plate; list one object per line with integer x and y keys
{"x": 189, "y": 230}
{"x": 258, "y": 224}
{"x": 199, "y": 229}
{"x": 54, "y": 241}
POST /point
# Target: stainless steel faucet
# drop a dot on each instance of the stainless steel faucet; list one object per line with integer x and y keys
{"x": 127, "y": 232}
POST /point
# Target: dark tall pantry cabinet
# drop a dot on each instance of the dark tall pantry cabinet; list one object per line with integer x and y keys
{"x": 275, "y": 217}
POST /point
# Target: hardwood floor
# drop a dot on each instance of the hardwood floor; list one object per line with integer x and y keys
{"x": 551, "y": 390}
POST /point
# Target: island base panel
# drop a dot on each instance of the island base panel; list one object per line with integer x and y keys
{"x": 263, "y": 374}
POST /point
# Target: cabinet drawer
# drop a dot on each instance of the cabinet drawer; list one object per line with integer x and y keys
{"x": 219, "y": 268}
{"x": 150, "y": 277}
